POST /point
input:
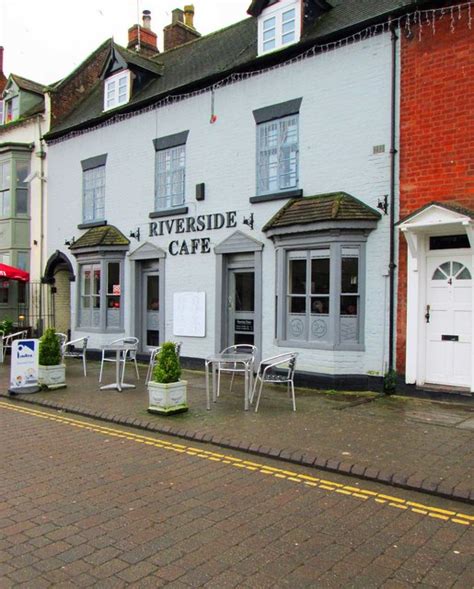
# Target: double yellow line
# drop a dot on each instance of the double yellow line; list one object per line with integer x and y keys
{"x": 294, "y": 477}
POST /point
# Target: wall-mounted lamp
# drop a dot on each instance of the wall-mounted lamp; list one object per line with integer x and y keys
{"x": 69, "y": 242}
{"x": 135, "y": 234}
{"x": 248, "y": 221}
{"x": 383, "y": 204}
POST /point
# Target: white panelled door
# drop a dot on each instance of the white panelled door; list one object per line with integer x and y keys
{"x": 449, "y": 315}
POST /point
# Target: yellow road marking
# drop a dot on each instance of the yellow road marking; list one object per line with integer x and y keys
{"x": 395, "y": 502}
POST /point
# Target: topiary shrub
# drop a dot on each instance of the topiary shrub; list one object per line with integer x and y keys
{"x": 167, "y": 368}
{"x": 390, "y": 382}
{"x": 49, "y": 348}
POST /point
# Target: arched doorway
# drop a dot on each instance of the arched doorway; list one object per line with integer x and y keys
{"x": 59, "y": 274}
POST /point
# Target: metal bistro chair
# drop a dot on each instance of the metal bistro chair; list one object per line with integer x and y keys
{"x": 76, "y": 348}
{"x": 6, "y": 341}
{"x": 154, "y": 356}
{"x": 129, "y": 354}
{"x": 62, "y": 338}
{"x": 233, "y": 367}
{"x": 266, "y": 373}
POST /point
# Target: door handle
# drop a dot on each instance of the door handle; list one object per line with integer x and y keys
{"x": 229, "y": 303}
{"x": 427, "y": 314}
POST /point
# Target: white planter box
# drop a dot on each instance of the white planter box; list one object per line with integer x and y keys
{"x": 167, "y": 398}
{"x": 52, "y": 376}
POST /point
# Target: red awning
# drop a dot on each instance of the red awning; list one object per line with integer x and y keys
{"x": 11, "y": 273}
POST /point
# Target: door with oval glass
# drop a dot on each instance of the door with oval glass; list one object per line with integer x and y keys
{"x": 448, "y": 316}
{"x": 241, "y": 306}
{"x": 151, "y": 310}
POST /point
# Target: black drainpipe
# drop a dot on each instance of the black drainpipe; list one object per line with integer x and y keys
{"x": 393, "y": 153}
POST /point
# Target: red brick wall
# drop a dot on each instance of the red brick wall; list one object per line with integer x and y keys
{"x": 436, "y": 130}
{"x": 77, "y": 85}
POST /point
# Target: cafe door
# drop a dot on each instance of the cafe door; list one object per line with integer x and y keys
{"x": 241, "y": 307}
{"x": 150, "y": 310}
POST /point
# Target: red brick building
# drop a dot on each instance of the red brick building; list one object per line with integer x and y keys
{"x": 435, "y": 294}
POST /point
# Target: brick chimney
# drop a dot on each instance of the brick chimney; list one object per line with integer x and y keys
{"x": 181, "y": 30}
{"x": 142, "y": 39}
{"x": 3, "y": 79}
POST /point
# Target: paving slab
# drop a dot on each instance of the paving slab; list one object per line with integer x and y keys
{"x": 406, "y": 442}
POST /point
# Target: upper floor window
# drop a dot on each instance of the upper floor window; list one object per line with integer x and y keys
{"x": 5, "y": 188}
{"x": 170, "y": 170}
{"x": 277, "y": 155}
{"x": 279, "y": 25}
{"x": 1, "y": 112}
{"x": 117, "y": 90}
{"x": 93, "y": 189}
{"x": 12, "y": 109}
{"x": 22, "y": 168}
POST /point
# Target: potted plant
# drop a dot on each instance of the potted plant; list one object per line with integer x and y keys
{"x": 51, "y": 371}
{"x": 166, "y": 392}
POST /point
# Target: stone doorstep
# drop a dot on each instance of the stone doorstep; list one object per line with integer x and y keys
{"x": 439, "y": 489}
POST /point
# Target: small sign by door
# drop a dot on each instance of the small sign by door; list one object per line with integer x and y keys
{"x": 244, "y": 325}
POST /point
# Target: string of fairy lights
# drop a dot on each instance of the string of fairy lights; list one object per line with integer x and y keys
{"x": 419, "y": 22}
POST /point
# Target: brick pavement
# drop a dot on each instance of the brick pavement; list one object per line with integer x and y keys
{"x": 412, "y": 443}
{"x": 83, "y": 509}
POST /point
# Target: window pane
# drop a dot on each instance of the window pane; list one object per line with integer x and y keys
{"x": 349, "y": 275}
{"x": 288, "y": 38}
{"x": 113, "y": 284}
{"x": 349, "y": 305}
{"x": 21, "y": 202}
{"x": 269, "y": 23}
{"x": 288, "y": 15}
{"x": 319, "y": 305}
{"x": 244, "y": 291}
{"x": 170, "y": 177}
{"x": 94, "y": 194}
{"x": 320, "y": 275}
{"x": 96, "y": 287}
{"x": 86, "y": 281}
{"x": 297, "y": 277}
{"x": 298, "y": 305}
{"x": 23, "y": 259}
{"x": 4, "y": 290}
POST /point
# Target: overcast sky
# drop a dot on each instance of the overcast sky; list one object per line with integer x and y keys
{"x": 44, "y": 40}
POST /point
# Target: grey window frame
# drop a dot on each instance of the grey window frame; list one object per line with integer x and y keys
{"x": 170, "y": 145}
{"x": 335, "y": 244}
{"x": 101, "y": 259}
{"x": 88, "y": 166}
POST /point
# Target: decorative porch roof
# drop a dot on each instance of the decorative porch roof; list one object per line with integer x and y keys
{"x": 103, "y": 236}
{"x": 330, "y": 207}
{"x": 448, "y": 206}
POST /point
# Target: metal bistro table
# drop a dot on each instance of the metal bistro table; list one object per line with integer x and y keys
{"x": 215, "y": 360}
{"x": 118, "y": 384}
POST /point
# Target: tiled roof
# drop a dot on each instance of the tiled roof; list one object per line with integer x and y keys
{"x": 28, "y": 85}
{"x": 234, "y": 48}
{"x": 134, "y": 59}
{"x": 105, "y": 235}
{"x": 335, "y": 206}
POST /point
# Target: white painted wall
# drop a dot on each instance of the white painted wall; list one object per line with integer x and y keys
{"x": 345, "y": 112}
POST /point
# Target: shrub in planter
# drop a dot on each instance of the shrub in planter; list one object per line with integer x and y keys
{"x": 6, "y": 326}
{"x": 166, "y": 392}
{"x": 51, "y": 372}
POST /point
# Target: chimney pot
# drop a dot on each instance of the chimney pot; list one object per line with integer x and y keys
{"x": 177, "y": 15}
{"x": 146, "y": 19}
{"x": 189, "y": 15}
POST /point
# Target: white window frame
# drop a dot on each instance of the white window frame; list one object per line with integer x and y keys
{"x": 117, "y": 90}
{"x": 277, "y": 12}
{"x": 170, "y": 177}
{"x": 265, "y": 158}
{"x": 2, "y": 107}
{"x": 95, "y": 210}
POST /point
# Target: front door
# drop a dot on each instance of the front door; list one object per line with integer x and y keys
{"x": 241, "y": 307}
{"x": 448, "y": 316}
{"x": 151, "y": 311}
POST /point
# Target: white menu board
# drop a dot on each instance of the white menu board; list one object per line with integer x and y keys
{"x": 24, "y": 365}
{"x": 189, "y": 314}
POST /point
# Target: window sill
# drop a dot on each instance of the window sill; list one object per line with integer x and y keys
{"x": 92, "y": 224}
{"x": 87, "y": 330}
{"x": 276, "y": 196}
{"x": 354, "y": 347}
{"x": 169, "y": 212}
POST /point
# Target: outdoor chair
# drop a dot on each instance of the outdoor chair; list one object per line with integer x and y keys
{"x": 76, "y": 348}
{"x": 130, "y": 354}
{"x": 233, "y": 367}
{"x": 62, "y": 338}
{"x": 285, "y": 363}
{"x": 6, "y": 341}
{"x": 154, "y": 356}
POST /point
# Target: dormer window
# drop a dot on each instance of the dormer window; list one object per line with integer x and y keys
{"x": 12, "y": 109}
{"x": 117, "y": 90}
{"x": 279, "y": 25}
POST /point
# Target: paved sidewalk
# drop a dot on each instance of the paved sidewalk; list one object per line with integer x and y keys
{"x": 411, "y": 443}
